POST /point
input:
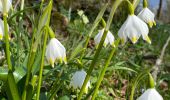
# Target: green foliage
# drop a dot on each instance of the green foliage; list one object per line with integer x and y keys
{"x": 126, "y": 69}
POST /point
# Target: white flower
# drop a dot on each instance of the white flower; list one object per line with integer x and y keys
{"x": 147, "y": 16}
{"x": 109, "y": 38}
{"x": 55, "y": 51}
{"x": 78, "y": 79}
{"x": 150, "y": 94}
{"x": 8, "y": 5}
{"x": 133, "y": 28}
{"x": 2, "y": 29}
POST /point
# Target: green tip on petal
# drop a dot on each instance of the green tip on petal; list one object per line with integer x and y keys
{"x": 154, "y": 23}
{"x": 86, "y": 90}
{"x": 1, "y": 36}
{"x": 5, "y": 14}
{"x": 134, "y": 39}
{"x": 150, "y": 24}
{"x": 65, "y": 60}
{"x": 113, "y": 44}
{"x": 147, "y": 39}
{"x": 51, "y": 62}
{"x": 60, "y": 60}
{"x": 96, "y": 46}
{"x": 104, "y": 44}
{"x": 122, "y": 41}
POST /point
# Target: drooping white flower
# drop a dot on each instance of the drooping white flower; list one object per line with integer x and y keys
{"x": 109, "y": 38}
{"x": 8, "y": 5}
{"x": 133, "y": 28}
{"x": 78, "y": 79}
{"x": 55, "y": 51}
{"x": 2, "y": 29}
{"x": 147, "y": 16}
{"x": 150, "y": 94}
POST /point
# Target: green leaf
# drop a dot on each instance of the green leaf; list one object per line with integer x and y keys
{"x": 77, "y": 50}
{"x": 19, "y": 73}
{"x": 64, "y": 98}
{"x": 123, "y": 68}
{"x": 11, "y": 89}
{"x": 3, "y": 74}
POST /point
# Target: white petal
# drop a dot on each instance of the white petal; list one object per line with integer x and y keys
{"x": 8, "y": 5}
{"x": 110, "y": 38}
{"x": 146, "y": 15}
{"x": 2, "y": 29}
{"x": 78, "y": 79}
{"x": 150, "y": 94}
{"x": 99, "y": 36}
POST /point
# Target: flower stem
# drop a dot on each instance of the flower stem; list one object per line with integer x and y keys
{"x": 92, "y": 64}
{"x": 31, "y": 61}
{"x": 7, "y": 42}
{"x": 41, "y": 67}
{"x": 56, "y": 86}
{"x": 95, "y": 24}
{"x": 130, "y": 7}
{"x": 10, "y": 79}
{"x": 151, "y": 81}
{"x": 104, "y": 70}
{"x": 132, "y": 92}
{"x": 145, "y": 4}
{"x": 91, "y": 67}
{"x": 135, "y": 3}
{"x": 136, "y": 81}
{"x": 29, "y": 68}
{"x": 33, "y": 51}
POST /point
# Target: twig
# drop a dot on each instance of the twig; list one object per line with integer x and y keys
{"x": 17, "y": 3}
{"x": 156, "y": 67}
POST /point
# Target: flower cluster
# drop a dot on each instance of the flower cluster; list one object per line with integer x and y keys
{"x": 135, "y": 26}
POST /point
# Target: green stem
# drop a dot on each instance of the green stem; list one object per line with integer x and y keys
{"x": 31, "y": 58}
{"x": 132, "y": 92}
{"x": 56, "y": 86}
{"x": 95, "y": 24}
{"x": 151, "y": 81}
{"x": 91, "y": 67}
{"x": 13, "y": 90}
{"x": 41, "y": 67}
{"x": 7, "y": 42}
{"x": 103, "y": 71}
{"x": 103, "y": 23}
{"x": 136, "y": 81}
{"x": 114, "y": 7}
{"x": 11, "y": 81}
{"x": 29, "y": 68}
{"x": 145, "y": 4}
{"x": 92, "y": 64}
{"x": 130, "y": 7}
{"x": 22, "y": 7}
{"x": 135, "y": 3}
{"x": 34, "y": 46}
